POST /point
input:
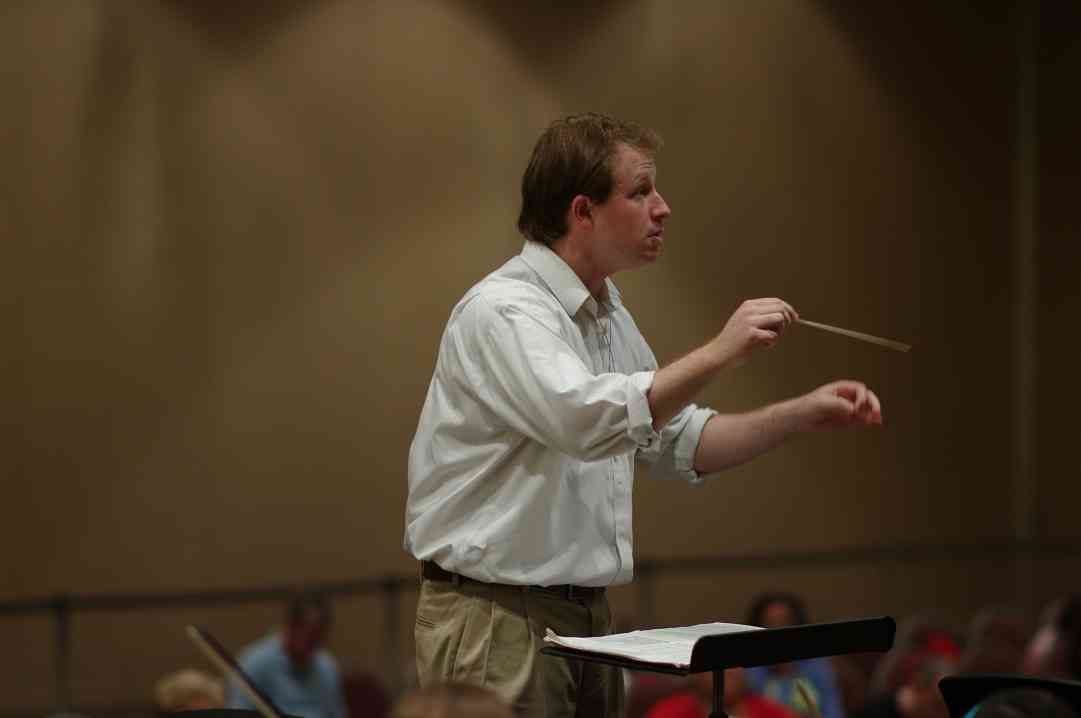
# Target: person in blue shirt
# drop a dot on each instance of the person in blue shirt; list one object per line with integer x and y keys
{"x": 291, "y": 666}
{"x": 782, "y": 682}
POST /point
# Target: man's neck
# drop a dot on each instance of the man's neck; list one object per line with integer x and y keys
{"x": 581, "y": 263}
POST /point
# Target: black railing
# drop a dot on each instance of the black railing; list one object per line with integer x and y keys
{"x": 647, "y": 573}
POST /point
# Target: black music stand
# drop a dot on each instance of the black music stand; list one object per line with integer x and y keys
{"x": 759, "y": 647}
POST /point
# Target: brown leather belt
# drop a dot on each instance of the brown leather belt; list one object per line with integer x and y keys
{"x": 435, "y": 572}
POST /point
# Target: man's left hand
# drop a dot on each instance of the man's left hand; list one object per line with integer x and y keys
{"x": 839, "y": 404}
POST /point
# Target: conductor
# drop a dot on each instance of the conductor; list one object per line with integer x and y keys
{"x": 543, "y": 397}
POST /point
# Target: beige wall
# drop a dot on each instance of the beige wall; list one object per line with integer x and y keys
{"x": 236, "y": 236}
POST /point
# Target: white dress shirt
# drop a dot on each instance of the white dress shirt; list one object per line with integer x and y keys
{"x": 522, "y": 466}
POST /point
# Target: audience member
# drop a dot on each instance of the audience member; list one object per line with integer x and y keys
{"x": 782, "y": 682}
{"x": 917, "y": 637}
{"x": 366, "y": 696}
{"x": 697, "y": 700}
{"x": 853, "y": 675}
{"x": 1055, "y": 649}
{"x": 645, "y": 689}
{"x": 995, "y": 642}
{"x": 452, "y": 700}
{"x": 292, "y": 668}
{"x": 917, "y": 696}
{"x": 188, "y": 690}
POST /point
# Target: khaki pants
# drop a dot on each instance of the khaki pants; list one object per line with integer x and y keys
{"x": 490, "y": 634}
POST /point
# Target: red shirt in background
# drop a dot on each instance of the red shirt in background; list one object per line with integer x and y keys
{"x": 687, "y": 705}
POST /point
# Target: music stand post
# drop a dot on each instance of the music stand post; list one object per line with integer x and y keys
{"x": 759, "y": 647}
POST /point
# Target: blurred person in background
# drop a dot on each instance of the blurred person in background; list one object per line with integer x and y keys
{"x": 916, "y": 635}
{"x": 853, "y": 676}
{"x": 1055, "y": 648}
{"x": 917, "y": 695}
{"x": 782, "y": 682}
{"x": 645, "y": 689}
{"x": 696, "y": 701}
{"x": 188, "y": 690}
{"x": 905, "y": 682}
{"x": 367, "y": 695}
{"x": 291, "y": 666}
{"x": 995, "y": 642}
{"x": 452, "y": 700}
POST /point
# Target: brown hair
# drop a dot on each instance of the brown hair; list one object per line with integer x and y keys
{"x": 572, "y": 157}
{"x": 452, "y": 700}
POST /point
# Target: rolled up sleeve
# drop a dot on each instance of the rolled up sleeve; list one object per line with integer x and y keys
{"x": 639, "y": 416}
{"x": 674, "y": 457}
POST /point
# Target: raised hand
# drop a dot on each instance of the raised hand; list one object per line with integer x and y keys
{"x": 757, "y": 322}
{"x": 838, "y": 404}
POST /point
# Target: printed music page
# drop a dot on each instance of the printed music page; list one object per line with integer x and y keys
{"x": 669, "y": 646}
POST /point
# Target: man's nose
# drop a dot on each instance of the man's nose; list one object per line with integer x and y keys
{"x": 661, "y": 210}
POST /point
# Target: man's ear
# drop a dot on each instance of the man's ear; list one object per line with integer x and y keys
{"x": 581, "y": 209}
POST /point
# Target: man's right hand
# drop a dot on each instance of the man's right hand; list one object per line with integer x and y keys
{"x": 757, "y": 322}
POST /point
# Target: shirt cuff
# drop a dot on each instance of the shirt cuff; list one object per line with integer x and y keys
{"x": 639, "y": 417}
{"x": 686, "y": 445}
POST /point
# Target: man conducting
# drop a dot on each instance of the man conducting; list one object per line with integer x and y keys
{"x": 544, "y": 394}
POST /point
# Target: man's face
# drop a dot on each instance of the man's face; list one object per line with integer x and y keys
{"x": 303, "y": 638}
{"x": 778, "y": 615}
{"x": 629, "y": 225}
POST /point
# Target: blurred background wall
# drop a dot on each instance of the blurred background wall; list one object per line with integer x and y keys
{"x": 233, "y": 233}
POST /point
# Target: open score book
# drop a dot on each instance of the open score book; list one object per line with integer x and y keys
{"x": 669, "y": 646}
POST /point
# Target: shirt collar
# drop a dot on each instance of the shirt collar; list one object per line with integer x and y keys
{"x": 565, "y": 284}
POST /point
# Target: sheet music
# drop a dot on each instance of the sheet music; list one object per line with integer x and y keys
{"x": 670, "y": 646}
